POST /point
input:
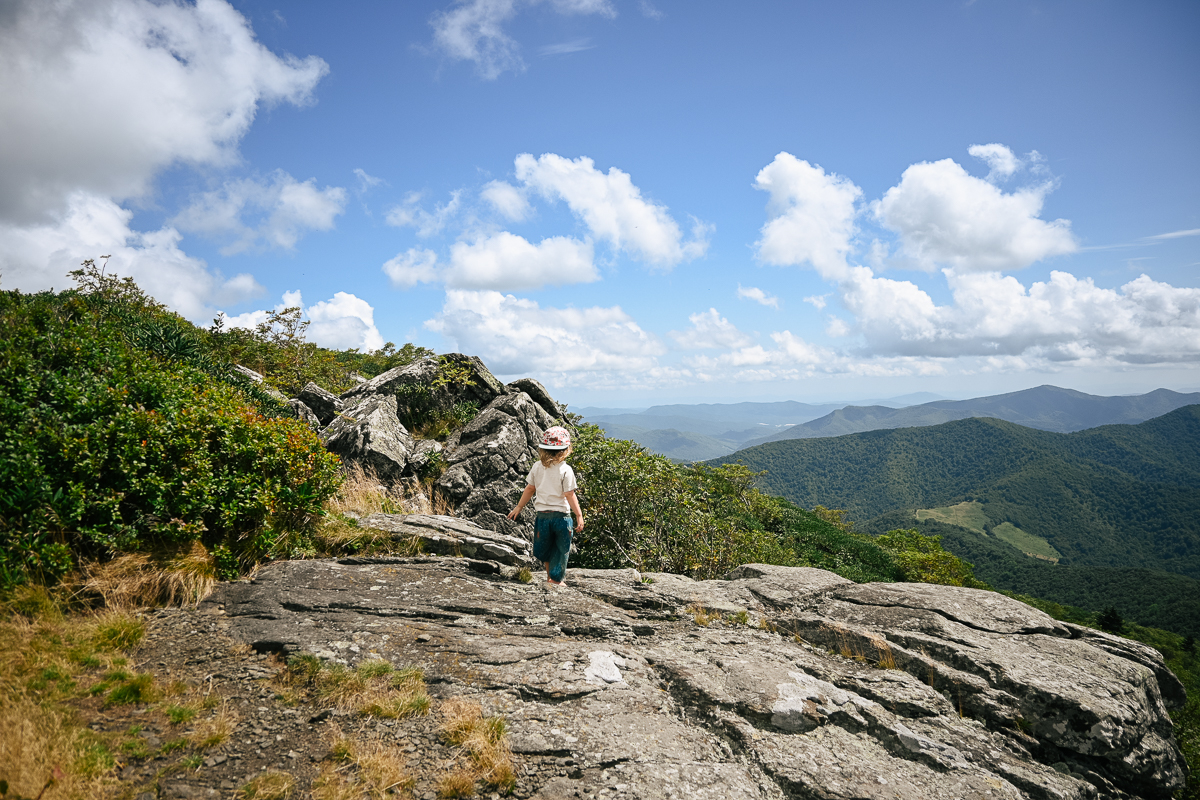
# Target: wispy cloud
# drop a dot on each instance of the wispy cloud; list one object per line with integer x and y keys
{"x": 1176, "y": 234}
{"x": 562, "y": 48}
{"x": 649, "y": 11}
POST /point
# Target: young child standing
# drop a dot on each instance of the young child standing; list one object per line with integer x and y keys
{"x": 553, "y": 481}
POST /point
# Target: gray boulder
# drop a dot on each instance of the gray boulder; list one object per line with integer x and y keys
{"x": 305, "y": 414}
{"x": 492, "y": 456}
{"x": 369, "y": 435}
{"x": 416, "y": 388}
{"x": 326, "y": 405}
{"x": 805, "y": 685}
{"x": 538, "y": 394}
{"x": 255, "y": 377}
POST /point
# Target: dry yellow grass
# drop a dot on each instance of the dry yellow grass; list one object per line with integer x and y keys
{"x": 139, "y": 580}
{"x": 884, "y": 657}
{"x": 363, "y": 493}
{"x": 214, "y": 730}
{"x": 483, "y": 740}
{"x": 374, "y": 688}
{"x": 456, "y": 784}
{"x": 268, "y": 786}
{"x": 372, "y": 768}
{"x": 701, "y": 615}
{"x": 333, "y": 784}
{"x": 38, "y": 739}
{"x": 48, "y": 660}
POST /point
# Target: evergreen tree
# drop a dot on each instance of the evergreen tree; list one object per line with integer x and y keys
{"x": 1110, "y": 620}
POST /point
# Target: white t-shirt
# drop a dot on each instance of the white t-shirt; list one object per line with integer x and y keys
{"x": 551, "y": 484}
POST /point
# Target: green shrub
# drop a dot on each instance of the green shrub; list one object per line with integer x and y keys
{"x": 108, "y": 447}
{"x": 646, "y": 512}
{"x": 923, "y": 559}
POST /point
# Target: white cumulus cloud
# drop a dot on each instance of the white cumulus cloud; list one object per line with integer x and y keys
{"x": 757, "y": 295}
{"x": 710, "y": 331}
{"x": 102, "y": 94}
{"x": 1001, "y": 161}
{"x": 612, "y": 207}
{"x": 518, "y": 336}
{"x": 344, "y": 321}
{"x": 339, "y": 323}
{"x": 279, "y": 209}
{"x": 411, "y": 267}
{"x": 974, "y": 232}
{"x": 37, "y": 257}
{"x": 949, "y": 218}
{"x": 99, "y": 97}
{"x": 505, "y": 261}
{"x": 473, "y": 30}
{"x": 810, "y": 215}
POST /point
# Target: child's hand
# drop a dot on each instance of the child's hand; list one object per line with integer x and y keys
{"x": 579, "y": 524}
{"x": 513, "y": 515}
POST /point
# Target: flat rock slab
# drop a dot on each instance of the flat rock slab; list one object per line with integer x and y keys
{"x": 801, "y": 685}
{"x": 450, "y": 536}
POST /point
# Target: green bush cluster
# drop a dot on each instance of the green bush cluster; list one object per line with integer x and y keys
{"x": 429, "y": 410}
{"x": 922, "y": 559}
{"x": 120, "y": 431}
{"x": 278, "y": 349}
{"x": 647, "y": 512}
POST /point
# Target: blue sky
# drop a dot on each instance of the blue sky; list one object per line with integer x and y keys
{"x": 633, "y": 201}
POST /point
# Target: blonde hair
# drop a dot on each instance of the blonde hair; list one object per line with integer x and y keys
{"x": 551, "y": 457}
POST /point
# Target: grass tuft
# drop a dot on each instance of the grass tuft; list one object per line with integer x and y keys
{"x": 132, "y": 690}
{"x": 373, "y": 769}
{"x": 171, "y": 578}
{"x": 701, "y": 615}
{"x": 483, "y": 740}
{"x": 118, "y": 631}
{"x": 268, "y": 786}
{"x": 178, "y": 714}
{"x": 372, "y": 689}
{"x": 213, "y": 731}
{"x": 460, "y": 783}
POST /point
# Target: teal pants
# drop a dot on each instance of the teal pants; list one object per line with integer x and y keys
{"x": 552, "y": 541}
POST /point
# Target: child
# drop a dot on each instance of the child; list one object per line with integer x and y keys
{"x": 553, "y": 480}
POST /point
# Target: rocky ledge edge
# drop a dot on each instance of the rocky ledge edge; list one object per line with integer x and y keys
{"x": 803, "y": 684}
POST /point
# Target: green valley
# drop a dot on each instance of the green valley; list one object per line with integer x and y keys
{"x": 1105, "y": 516}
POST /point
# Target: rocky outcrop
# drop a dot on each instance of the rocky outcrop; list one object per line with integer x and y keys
{"x": 486, "y": 461}
{"x": 325, "y": 405}
{"x": 538, "y": 394}
{"x": 803, "y": 685}
{"x": 490, "y": 459}
{"x": 370, "y": 435}
{"x": 481, "y": 386}
{"x": 304, "y": 414}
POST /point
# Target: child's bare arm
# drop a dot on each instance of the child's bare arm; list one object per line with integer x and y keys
{"x": 525, "y": 497}
{"x": 573, "y": 502}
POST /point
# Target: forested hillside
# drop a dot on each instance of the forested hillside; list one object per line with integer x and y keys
{"x": 1115, "y": 496}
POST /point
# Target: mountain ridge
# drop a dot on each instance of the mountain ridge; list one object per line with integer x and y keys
{"x": 1116, "y": 495}
{"x": 1045, "y": 407}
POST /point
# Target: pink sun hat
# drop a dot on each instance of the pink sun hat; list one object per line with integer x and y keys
{"x": 556, "y": 438}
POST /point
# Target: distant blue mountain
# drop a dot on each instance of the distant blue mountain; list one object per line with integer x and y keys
{"x": 1047, "y": 408}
